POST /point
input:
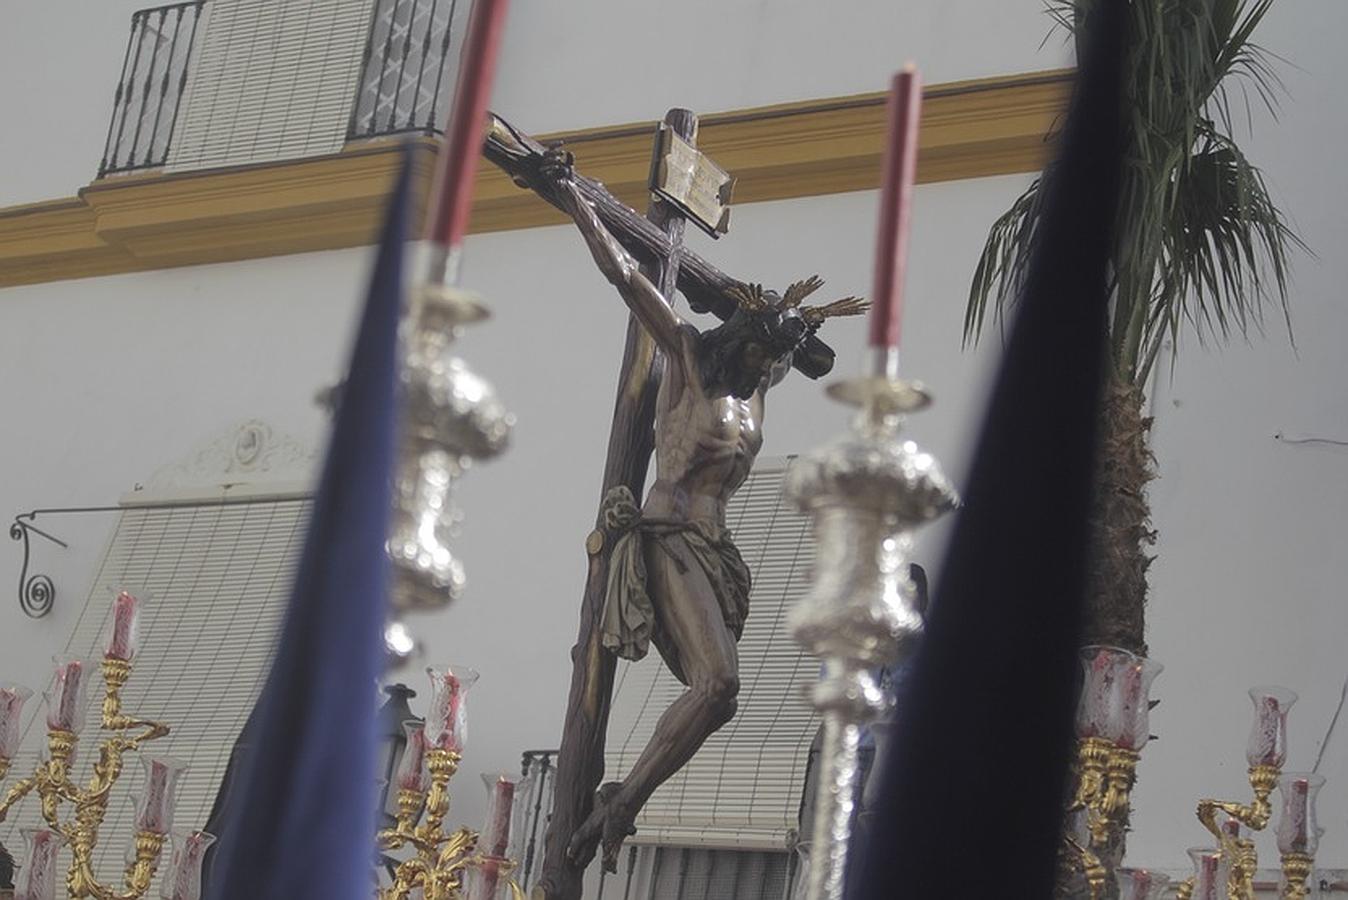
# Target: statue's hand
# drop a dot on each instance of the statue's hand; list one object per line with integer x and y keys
{"x": 557, "y": 166}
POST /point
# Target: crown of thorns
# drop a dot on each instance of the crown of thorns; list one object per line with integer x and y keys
{"x": 751, "y": 299}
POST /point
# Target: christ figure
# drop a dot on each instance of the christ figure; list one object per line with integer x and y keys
{"x": 675, "y": 577}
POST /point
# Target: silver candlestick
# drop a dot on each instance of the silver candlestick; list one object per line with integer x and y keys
{"x": 866, "y": 492}
{"x": 451, "y": 417}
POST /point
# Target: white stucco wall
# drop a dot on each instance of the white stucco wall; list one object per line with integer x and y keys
{"x": 108, "y": 379}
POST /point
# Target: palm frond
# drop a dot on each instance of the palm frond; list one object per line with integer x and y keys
{"x": 1199, "y": 242}
{"x": 1003, "y": 263}
{"x": 1226, "y": 252}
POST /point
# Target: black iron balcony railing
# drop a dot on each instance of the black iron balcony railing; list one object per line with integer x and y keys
{"x": 402, "y": 85}
{"x": 534, "y": 796}
{"x": 154, "y": 74}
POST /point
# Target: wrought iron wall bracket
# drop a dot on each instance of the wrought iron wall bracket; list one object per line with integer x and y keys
{"x": 37, "y": 593}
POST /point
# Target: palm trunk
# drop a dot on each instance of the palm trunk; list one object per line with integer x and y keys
{"x": 1121, "y": 531}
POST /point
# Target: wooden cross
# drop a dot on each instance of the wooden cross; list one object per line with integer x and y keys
{"x": 695, "y": 188}
{"x": 580, "y": 764}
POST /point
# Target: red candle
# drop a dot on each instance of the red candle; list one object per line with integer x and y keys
{"x": 412, "y": 773}
{"x": 123, "y": 638}
{"x": 496, "y": 835}
{"x": 12, "y": 699}
{"x": 896, "y": 194}
{"x": 445, "y": 721}
{"x": 447, "y": 715}
{"x": 39, "y": 877}
{"x": 494, "y": 842}
{"x": 183, "y": 881}
{"x": 1294, "y": 830}
{"x": 155, "y": 813}
{"x": 467, "y": 123}
{"x": 65, "y": 700}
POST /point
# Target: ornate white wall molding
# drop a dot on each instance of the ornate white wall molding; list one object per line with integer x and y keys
{"x": 251, "y": 452}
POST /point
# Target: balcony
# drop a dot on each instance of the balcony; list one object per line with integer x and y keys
{"x": 238, "y": 83}
{"x": 154, "y": 76}
{"x": 402, "y": 87}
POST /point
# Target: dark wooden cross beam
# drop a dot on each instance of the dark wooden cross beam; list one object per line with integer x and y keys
{"x": 705, "y": 286}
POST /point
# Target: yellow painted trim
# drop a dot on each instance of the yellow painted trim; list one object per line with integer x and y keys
{"x": 971, "y": 129}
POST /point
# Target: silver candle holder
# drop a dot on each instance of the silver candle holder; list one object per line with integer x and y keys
{"x": 867, "y": 492}
{"x": 450, "y": 417}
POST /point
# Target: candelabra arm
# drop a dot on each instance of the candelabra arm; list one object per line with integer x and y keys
{"x": 392, "y": 839}
{"x": 115, "y": 675}
{"x": 16, "y": 793}
{"x": 81, "y": 881}
{"x": 106, "y": 772}
{"x": 1185, "y": 891}
{"x": 153, "y": 730}
{"x": 1263, "y": 780}
{"x": 1240, "y": 853}
{"x": 1251, "y": 816}
{"x": 458, "y": 851}
{"x": 91, "y": 804}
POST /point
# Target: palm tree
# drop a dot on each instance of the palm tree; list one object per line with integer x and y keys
{"x": 1200, "y": 247}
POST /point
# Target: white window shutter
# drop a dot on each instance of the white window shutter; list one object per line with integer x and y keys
{"x": 271, "y": 81}
{"x": 700, "y": 873}
{"x": 743, "y": 787}
{"x": 218, "y": 576}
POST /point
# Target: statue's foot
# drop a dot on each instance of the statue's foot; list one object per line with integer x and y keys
{"x": 585, "y": 841}
{"x": 609, "y": 823}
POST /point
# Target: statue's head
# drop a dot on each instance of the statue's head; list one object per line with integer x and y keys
{"x": 765, "y": 330}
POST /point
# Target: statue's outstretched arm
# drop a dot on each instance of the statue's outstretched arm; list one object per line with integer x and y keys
{"x": 618, "y": 266}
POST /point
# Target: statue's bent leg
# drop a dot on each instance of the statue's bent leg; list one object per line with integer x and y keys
{"x": 690, "y": 616}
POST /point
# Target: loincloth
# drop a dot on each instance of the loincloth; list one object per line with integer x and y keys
{"x": 630, "y": 623}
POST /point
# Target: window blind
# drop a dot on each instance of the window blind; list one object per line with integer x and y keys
{"x": 743, "y": 787}
{"x": 218, "y": 576}
{"x": 691, "y": 873}
{"x": 271, "y": 81}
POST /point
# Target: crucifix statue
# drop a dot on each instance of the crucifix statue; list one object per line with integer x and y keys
{"x": 664, "y": 571}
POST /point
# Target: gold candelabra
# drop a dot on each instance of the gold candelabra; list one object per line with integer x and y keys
{"x": 1112, "y": 727}
{"x": 1297, "y": 832}
{"x": 442, "y": 863}
{"x": 52, "y": 782}
{"x": 440, "y": 860}
{"x": 55, "y": 787}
